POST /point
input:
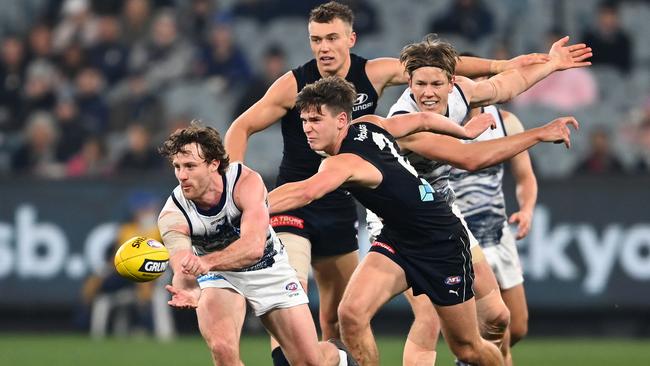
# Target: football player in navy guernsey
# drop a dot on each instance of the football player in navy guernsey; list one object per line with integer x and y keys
{"x": 323, "y": 234}
{"x": 434, "y": 88}
{"x": 422, "y": 246}
{"x": 216, "y": 226}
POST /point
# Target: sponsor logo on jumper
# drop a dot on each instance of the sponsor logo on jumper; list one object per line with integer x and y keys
{"x": 363, "y": 133}
{"x": 361, "y": 98}
{"x": 453, "y": 280}
{"x": 383, "y": 245}
{"x": 287, "y": 220}
{"x": 360, "y": 102}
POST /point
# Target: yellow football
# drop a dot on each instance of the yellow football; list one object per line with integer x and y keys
{"x": 141, "y": 259}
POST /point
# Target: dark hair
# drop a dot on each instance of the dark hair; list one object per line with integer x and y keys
{"x": 334, "y": 92}
{"x": 326, "y": 13}
{"x": 206, "y": 137}
{"x": 431, "y": 52}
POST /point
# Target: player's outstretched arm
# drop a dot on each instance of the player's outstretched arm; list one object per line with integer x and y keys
{"x": 249, "y": 196}
{"x": 405, "y": 124}
{"x": 332, "y": 173}
{"x": 274, "y": 105}
{"x": 506, "y": 85}
{"x": 475, "y": 67}
{"x": 175, "y": 235}
{"x": 525, "y": 180}
{"x": 482, "y": 154}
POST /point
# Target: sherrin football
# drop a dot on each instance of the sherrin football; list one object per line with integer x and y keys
{"x": 141, "y": 259}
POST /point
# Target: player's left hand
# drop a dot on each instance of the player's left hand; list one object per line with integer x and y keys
{"x": 194, "y": 265}
{"x": 526, "y": 60}
{"x": 182, "y": 298}
{"x": 523, "y": 220}
{"x": 569, "y": 56}
{"x": 479, "y": 123}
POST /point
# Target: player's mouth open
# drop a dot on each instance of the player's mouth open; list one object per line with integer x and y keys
{"x": 326, "y": 59}
{"x": 430, "y": 103}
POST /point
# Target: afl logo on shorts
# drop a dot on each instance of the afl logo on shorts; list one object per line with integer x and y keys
{"x": 292, "y": 286}
{"x": 453, "y": 280}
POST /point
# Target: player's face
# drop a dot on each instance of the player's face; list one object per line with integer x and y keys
{"x": 322, "y": 128}
{"x": 193, "y": 172}
{"x": 431, "y": 88}
{"x": 330, "y": 44}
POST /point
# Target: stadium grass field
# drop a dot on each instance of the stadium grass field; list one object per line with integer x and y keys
{"x": 73, "y": 350}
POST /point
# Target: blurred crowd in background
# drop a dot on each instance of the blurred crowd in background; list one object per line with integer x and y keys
{"x": 89, "y": 88}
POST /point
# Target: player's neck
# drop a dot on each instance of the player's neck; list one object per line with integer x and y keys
{"x": 336, "y": 146}
{"x": 212, "y": 196}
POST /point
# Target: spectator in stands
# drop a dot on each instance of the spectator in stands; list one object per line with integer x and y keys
{"x": 221, "y": 56}
{"x": 197, "y": 16}
{"x": 12, "y": 76}
{"x": 274, "y": 65}
{"x": 135, "y": 22}
{"x": 37, "y": 154}
{"x": 77, "y": 25}
{"x": 365, "y": 17}
{"x": 140, "y": 220}
{"x": 636, "y": 137}
{"x": 93, "y": 109}
{"x": 140, "y": 155}
{"x": 40, "y": 43}
{"x": 470, "y": 19}
{"x": 109, "y": 55}
{"x": 166, "y": 57}
{"x": 72, "y": 133}
{"x": 71, "y": 60}
{"x": 564, "y": 91}
{"x": 135, "y": 102}
{"x": 611, "y": 44}
{"x": 600, "y": 159}
{"x": 40, "y": 87}
{"x": 91, "y": 161}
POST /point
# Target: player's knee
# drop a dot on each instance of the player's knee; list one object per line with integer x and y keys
{"x": 223, "y": 350}
{"x": 518, "y": 330}
{"x": 465, "y": 350}
{"x": 495, "y": 324}
{"x": 351, "y": 317}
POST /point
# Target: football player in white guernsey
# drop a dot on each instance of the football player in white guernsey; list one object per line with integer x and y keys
{"x": 216, "y": 226}
{"x": 433, "y": 87}
{"x": 479, "y": 196}
{"x": 331, "y": 37}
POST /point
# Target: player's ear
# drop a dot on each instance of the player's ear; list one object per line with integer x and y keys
{"x": 352, "y": 39}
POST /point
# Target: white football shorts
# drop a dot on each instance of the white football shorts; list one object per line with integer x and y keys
{"x": 504, "y": 260}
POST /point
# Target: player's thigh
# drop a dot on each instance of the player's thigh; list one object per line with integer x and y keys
{"x": 332, "y": 275}
{"x": 459, "y": 323}
{"x": 298, "y": 249}
{"x": 220, "y": 314}
{"x": 294, "y": 329}
{"x": 376, "y": 280}
{"x": 484, "y": 280}
{"x": 426, "y": 326}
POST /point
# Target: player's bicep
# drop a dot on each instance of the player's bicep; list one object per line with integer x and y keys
{"x": 332, "y": 173}
{"x": 385, "y": 71}
{"x": 250, "y": 198}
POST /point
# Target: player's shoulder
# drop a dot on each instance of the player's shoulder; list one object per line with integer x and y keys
{"x": 511, "y": 122}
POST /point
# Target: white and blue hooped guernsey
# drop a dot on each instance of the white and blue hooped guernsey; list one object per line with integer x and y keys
{"x": 479, "y": 195}
{"x": 218, "y": 227}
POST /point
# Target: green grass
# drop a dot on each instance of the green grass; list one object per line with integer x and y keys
{"x": 72, "y": 350}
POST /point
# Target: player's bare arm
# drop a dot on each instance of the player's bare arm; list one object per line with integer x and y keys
{"x": 506, "y": 85}
{"x": 332, "y": 173}
{"x": 388, "y": 71}
{"x": 249, "y": 196}
{"x": 525, "y": 180}
{"x": 175, "y": 234}
{"x": 482, "y": 154}
{"x": 409, "y": 123}
{"x": 274, "y": 105}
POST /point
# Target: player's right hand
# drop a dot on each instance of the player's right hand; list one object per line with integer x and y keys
{"x": 558, "y": 131}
